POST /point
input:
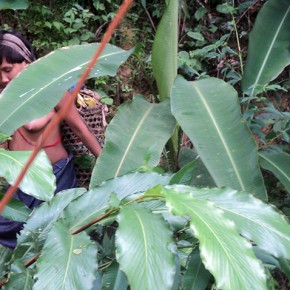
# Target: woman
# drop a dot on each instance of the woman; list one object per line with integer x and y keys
{"x": 16, "y": 53}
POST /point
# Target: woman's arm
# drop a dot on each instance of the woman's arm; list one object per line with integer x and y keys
{"x": 77, "y": 125}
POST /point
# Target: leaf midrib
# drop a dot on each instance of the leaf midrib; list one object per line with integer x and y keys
{"x": 268, "y": 52}
{"x": 219, "y": 132}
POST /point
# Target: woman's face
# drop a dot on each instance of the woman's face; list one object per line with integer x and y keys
{"x": 9, "y": 70}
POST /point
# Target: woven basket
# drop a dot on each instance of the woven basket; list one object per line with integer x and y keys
{"x": 95, "y": 119}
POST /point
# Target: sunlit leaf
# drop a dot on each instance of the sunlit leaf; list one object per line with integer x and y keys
{"x": 228, "y": 256}
{"x": 145, "y": 254}
{"x": 39, "y": 180}
{"x": 254, "y": 219}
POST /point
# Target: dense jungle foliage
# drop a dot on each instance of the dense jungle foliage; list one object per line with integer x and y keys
{"x": 192, "y": 188}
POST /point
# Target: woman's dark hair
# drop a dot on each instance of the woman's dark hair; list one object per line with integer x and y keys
{"x": 9, "y": 53}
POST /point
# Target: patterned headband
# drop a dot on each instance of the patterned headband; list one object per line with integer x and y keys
{"x": 16, "y": 43}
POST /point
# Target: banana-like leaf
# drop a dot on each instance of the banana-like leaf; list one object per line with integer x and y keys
{"x": 35, "y": 231}
{"x": 144, "y": 253}
{"x": 227, "y": 255}
{"x": 39, "y": 180}
{"x": 73, "y": 263}
{"x": 137, "y": 134}
{"x": 209, "y": 113}
{"x": 13, "y": 4}
{"x": 255, "y": 220}
{"x": 95, "y": 202}
{"x": 15, "y": 210}
{"x": 279, "y": 164}
{"x": 268, "y": 52}
{"x": 196, "y": 276}
{"x": 39, "y": 87}
{"x": 164, "y": 52}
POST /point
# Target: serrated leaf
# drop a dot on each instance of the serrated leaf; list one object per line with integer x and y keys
{"x": 39, "y": 180}
{"x": 228, "y": 256}
{"x": 15, "y": 210}
{"x": 125, "y": 152}
{"x": 279, "y": 164}
{"x": 39, "y": 87}
{"x": 145, "y": 254}
{"x": 73, "y": 263}
{"x": 209, "y": 113}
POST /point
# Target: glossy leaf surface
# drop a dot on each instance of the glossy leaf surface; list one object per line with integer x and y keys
{"x": 73, "y": 263}
{"x": 38, "y": 88}
{"x": 228, "y": 256}
{"x": 144, "y": 253}
{"x": 39, "y": 180}
{"x": 268, "y": 52}
{"x": 209, "y": 113}
{"x": 136, "y": 135}
{"x": 254, "y": 219}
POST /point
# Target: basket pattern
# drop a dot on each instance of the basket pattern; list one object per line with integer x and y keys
{"x": 95, "y": 119}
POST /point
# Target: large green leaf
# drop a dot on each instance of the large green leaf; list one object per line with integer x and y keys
{"x": 35, "y": 231}
{"x": 209, "y": 113}
{"x": 95, "y": 202}
{"x": 196, "y": 276}
{"x": 268, "y": 52}
{"x": 254, "y": 219}
{"x": 144, "y": 248}
{"x": 39, "y": 87}
{"x": 66, "y": 261}
{"x": 279, "y": 164}
{"x": 164, "y": 53}
{"x": 13, "y": 4}
{"x": 138, "y": 133}
{"x": 15, "y": 210}
{"x": 228, "y": 256}
{"x": 39, "y": 180}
